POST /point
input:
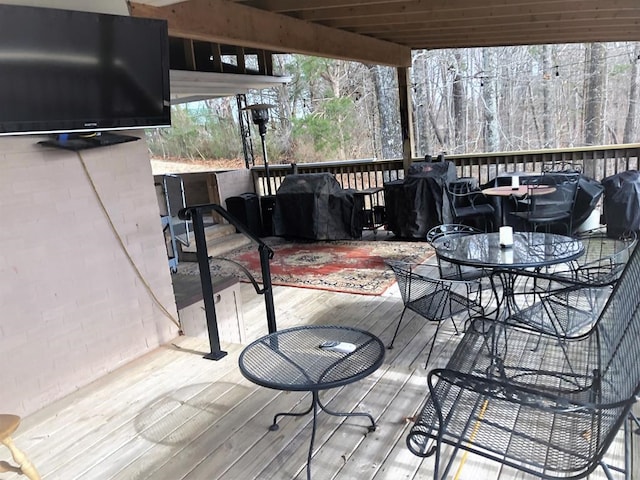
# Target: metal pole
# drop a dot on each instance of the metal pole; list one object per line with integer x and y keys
{"x": 266, "y": 162}
{"x": 207, "y": 288}
{"x": 267, "y": 288}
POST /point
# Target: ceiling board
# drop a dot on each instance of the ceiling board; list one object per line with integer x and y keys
{"x": 375, "y": 31}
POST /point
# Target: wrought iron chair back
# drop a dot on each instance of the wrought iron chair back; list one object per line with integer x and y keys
{"x": 553, "y": 208}
{"x": 437, "y": 237}
{"x": 551, "y": 411}
{"x": 433, "y": 298}
{"x": 468, "y": 203}
{"x": 618, "y": 331}
{"x": 569, "y": 299}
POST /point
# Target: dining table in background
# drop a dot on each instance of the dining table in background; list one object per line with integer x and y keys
{"x": 507, "y": 191}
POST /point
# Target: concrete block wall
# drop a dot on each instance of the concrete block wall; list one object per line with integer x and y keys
{"x": 73, "y": 307}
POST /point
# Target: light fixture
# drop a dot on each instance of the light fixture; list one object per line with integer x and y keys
{"x": 260, "y": 117}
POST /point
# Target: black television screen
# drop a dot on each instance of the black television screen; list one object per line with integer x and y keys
{"x": 69, "y": 71}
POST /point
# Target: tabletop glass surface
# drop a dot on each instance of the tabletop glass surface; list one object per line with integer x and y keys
{"x": 293, "y": 359}
{"x": 529, "y": 250}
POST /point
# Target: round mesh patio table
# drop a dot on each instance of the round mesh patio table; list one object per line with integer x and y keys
{"x": 303, "y": 359}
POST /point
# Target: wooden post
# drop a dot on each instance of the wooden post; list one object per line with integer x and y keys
{"x": 406, "y": 120}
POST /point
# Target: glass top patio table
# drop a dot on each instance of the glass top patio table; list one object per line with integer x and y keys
{"x": 530, "y": 249}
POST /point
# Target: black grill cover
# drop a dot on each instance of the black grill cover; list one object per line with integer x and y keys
{"x": 417, "y": 204}
{"x": 622, "y": 202}
{"x": 589, "y": 193}
{"x": 314, "y": 206}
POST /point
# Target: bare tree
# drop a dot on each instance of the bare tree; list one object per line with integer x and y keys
{"x": 547, "y": 98}
{"x": 458, "y": 94}
{"x": 419, "y": 101}
{"x": 490, "y": 101}
{"x": 631, "y": 123}
{"x": 386, "y": 86}
{"x": 595, "y": 93}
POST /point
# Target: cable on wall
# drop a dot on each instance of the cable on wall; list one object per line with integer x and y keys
{"x": 155, "y": 299}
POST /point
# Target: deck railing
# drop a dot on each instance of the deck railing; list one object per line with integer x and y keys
{"x": 595, "y": 162}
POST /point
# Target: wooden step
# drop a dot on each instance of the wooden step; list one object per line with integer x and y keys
{"x": 227, "y": 244}
{"x": 212, "y": 233}
{"x": 221, "y": 239}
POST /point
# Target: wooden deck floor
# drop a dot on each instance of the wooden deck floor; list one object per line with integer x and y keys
{"x": 172, "y": 415}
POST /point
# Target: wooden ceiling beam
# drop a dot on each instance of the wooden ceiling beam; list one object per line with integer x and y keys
{"x": 223, "y": 21}
{"x": 472, "y": 40}
{"x": 459, "y": 8}
{"x": 479, "y": 13}
{"x": 281, "y": 6}
{"x": 551, "y": 21}
{"x": 570, "y": 30}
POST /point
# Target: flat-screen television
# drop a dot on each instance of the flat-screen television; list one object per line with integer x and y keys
{"x": 67, "y": 71}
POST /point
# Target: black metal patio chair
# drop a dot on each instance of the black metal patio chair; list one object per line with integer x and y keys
{"x": 569, "y": 299}
{"x": 552, "y": 210}
{"x": 469, "y": 204}
{"x": 436, "y": 299}
{"x": 438, "y": 237}
{"x": 547, "y": 408}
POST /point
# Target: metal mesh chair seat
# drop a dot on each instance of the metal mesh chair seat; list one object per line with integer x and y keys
{"x": 603, "y": 260}
{"x": 557, "y": 305}
{"x": 434, "y": 298}
{"x": 541, "y": 406}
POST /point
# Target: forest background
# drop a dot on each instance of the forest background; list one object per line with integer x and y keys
{"x": 463, "y": 100}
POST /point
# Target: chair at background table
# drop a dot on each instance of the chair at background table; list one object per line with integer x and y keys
{"x": 436, "y": 299}
{"x": 469, "y": 204}
{"x": 553, "y": 209}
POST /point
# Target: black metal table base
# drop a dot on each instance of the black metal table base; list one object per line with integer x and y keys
{"x": 315, "y": 403}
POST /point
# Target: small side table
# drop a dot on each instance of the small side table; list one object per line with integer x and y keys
{"x": 293, "y": 360}
{"x": 373, "y": 212}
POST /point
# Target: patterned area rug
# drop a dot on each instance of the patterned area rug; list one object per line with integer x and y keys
{"x": 340, "y": 266}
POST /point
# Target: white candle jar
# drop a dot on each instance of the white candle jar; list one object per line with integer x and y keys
{"x": 506, "y": 237}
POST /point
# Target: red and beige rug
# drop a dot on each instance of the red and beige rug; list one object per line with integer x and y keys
{"x": 341, "y": 266}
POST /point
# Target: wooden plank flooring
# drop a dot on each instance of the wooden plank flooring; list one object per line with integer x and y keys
{"x": 172, "y": 415}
